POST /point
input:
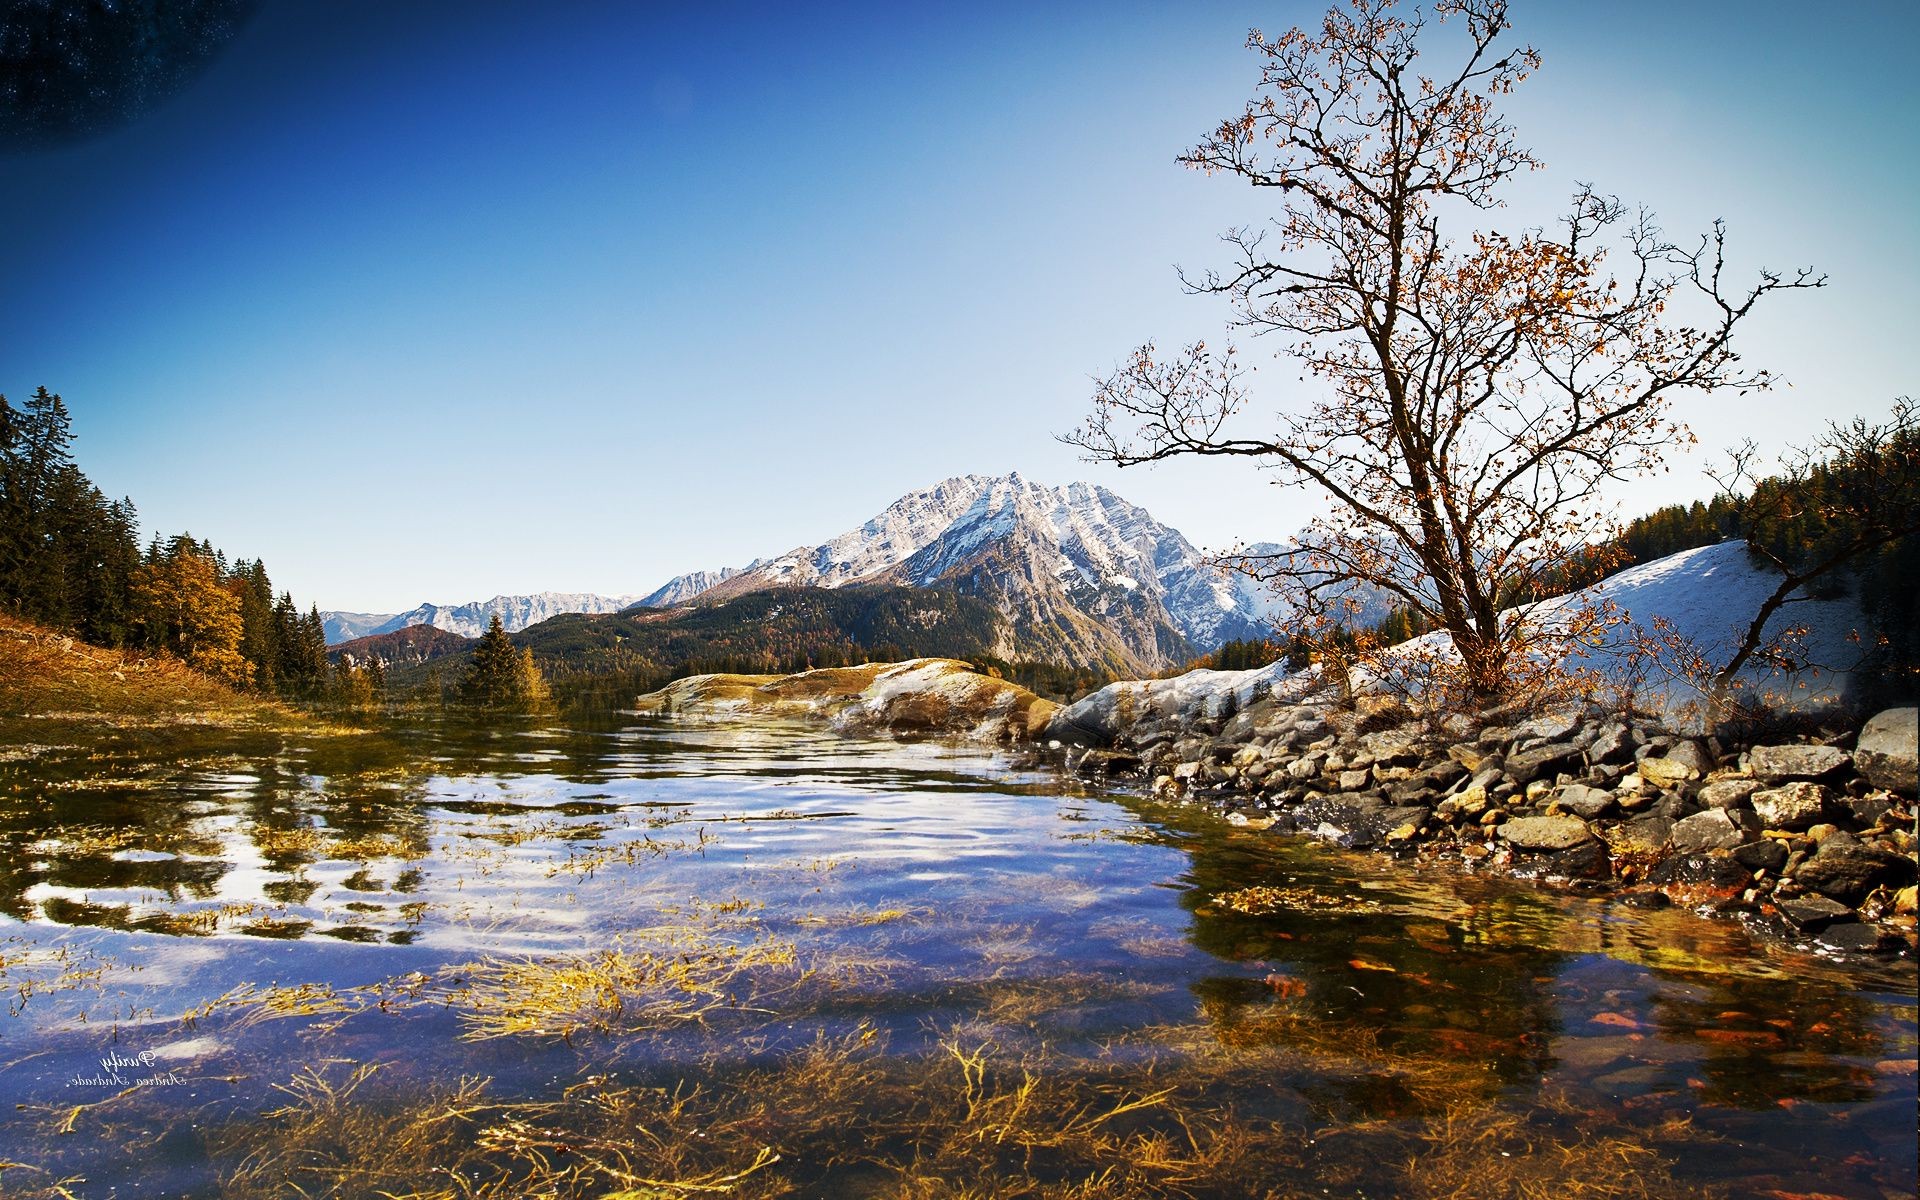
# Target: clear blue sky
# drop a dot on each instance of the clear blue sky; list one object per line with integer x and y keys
{"x": 437, "y": 301}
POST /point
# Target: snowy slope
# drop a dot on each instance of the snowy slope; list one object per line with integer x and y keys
{"x": 1709, "y": 595}
{"x": 470, "y": 620}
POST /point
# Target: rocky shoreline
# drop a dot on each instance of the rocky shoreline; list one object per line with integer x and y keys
{"x": 1813, "y": 838}
{"x": 1816, "y": 837}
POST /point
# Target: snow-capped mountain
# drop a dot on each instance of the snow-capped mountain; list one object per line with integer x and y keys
{"x": 1080, "y": 574}
{"x": 682, "y": 588}
{"x": 470, "y": 620}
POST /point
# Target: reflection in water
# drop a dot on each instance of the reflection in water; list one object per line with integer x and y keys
{"x": 766, "y": 959}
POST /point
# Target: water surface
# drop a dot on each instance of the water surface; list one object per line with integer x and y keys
{"x": 656, "y": 959}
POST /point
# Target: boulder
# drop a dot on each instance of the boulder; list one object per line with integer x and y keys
{"x": 1696, "y": 879}
{"x": 1795, "y": 806}
{"x": 1709, "y": 830}
{"x": 1529, "y": 765}
{"x": 1846, "y": 869}
{"x": 1780, "y": 764}
{"x": 1885, "y": 751}
{"x": 1763, "y": 854}
{"x": 1857, "y": 937}
{"x": 1546, "y": 833}
{"x": 1356, "y": 823}
{"x": 1612, "y": 743}
{"x": 1810, "y": 914}
{"x": 1582, "y": 801}
{"x": 1728, "y": 793}
{"x": 1664, "y": 772}
{"x": 1645, "y": 838}
{"x": 1691, "y": 754}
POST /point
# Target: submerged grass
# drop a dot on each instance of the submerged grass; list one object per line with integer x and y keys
{"x": 843, "y": 1115}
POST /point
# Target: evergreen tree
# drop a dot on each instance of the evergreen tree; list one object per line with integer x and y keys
{"x": 501, "y": 678}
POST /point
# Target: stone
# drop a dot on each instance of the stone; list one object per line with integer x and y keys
{"x": 1699, "y": 878}
{"x": 1765, "y": 854}
{"x": 1393, "y": 747}
{"x": 1728, "y": 793}
{"x": 1468, "y": 757}
{"x": 1612, "y": 743}
{"x": 1588, "y": 860}
{"x": 1528, "y": 765}
{"x": 1355, "y": 822}
{"x": 1811, "y": 914}
{"x": 1546, "y": 833}
{"x": 1780, "y": 764}
{"x": 1644, "y": 838}
{"x": 1855, "y": 937}
{"x": 1583, "y": 801}
{"x": 1304, "y": 768}
{"x": 1549, "y": 727}
{"x": 1691, "y": 754}
{"x": 1867, "y": 810}
{"x": 1885, "y": 752}
{"x": 1709, "y": 830}
{"x": 1794, "y": 806}
{"x": 1667, "y": 772}
{"x": 1354, "y": 781}
{"x": 1847, "y": 869}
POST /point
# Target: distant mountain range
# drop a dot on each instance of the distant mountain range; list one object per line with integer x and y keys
{"x": 470, "y": 620}
{"x": 1078, "y": 575}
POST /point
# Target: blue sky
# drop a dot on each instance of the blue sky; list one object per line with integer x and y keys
{"x": 433, "y": 302}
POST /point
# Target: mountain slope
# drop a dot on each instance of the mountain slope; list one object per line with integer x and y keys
{"x": 470, "y": 620}
{"x": 1081, "y": 575}
{"x": 682, "y": 588}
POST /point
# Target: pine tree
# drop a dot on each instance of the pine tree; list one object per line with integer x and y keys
{"x": 501, "y": 678}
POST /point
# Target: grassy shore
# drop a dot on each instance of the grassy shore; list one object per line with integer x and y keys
{"x": 57, "y": 691}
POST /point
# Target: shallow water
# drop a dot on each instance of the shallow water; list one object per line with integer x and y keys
{"x": 759, "y": 959}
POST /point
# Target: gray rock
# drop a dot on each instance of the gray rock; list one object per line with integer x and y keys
{"x": 1529, "y": 765}
{"x": 1583, "y": 801}
{"x": 1779, "y": 764}
{"x": 1546, "y": 833}
{"x": 1813, "y": 913}
{"x": 1393, "y": 747}
{"x": 1866, "y": 810}
{"x": 1846, "y": 869}
{"x": 1885, "y": 752}
{"x": 1612, "y": 743}
{"x": 1647, "y": 837}
{"x": 1549, "y": 727}
{"x": 1795, "y": 806}
{"x": 1693, "y": 755}
{"x": 1856, "y": 937}
{"x": 1728, "y": 793}
{"x": 1709, "y": 830}
{"x": 1356, "y": 823}
{"x": 1764, "y": 854}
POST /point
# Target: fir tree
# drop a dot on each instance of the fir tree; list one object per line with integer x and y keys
{"x": 501, "y": 678}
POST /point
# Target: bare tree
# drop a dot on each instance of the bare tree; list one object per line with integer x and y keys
{"x": 1474, "y": 397}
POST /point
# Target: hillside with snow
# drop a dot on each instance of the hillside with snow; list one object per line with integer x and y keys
{"x": 1708, "y": 595}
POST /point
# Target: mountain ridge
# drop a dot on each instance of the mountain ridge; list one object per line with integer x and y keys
{"x": 1083, "y": 575}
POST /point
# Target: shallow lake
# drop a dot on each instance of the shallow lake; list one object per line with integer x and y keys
{"x": 656, "y": 959}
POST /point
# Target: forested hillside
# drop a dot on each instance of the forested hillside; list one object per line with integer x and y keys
{"x": 71, "y": 560}
{"x": 610, "y": 657}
